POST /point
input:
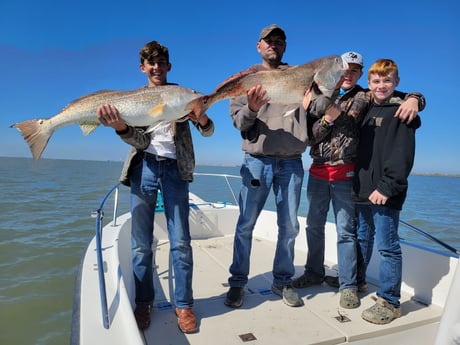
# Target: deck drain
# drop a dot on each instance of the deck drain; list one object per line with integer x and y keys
{"x": 247, "y": 337}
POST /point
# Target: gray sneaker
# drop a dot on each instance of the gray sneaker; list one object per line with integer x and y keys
{"x": 289, "y": 295}
{"x": 349, "y": 299}
{"x": 381, "y": 312}
{"x": 305, "y": 281}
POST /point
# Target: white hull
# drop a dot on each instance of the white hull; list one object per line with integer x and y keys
{"x": 427, "y": 276}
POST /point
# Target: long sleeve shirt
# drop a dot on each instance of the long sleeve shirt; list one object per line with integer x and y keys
{"x": 385, "y": 154}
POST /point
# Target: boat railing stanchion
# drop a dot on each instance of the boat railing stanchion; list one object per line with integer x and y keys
{"x": 115, "y": 206}
{"x": 99, "y": 215}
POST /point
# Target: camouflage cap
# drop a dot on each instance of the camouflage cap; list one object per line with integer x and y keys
{"x": 270, "y": 29}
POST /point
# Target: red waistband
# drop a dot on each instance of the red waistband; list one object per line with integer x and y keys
{"x": 340, "y": 172}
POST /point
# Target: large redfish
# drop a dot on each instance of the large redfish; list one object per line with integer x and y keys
{"x": 285, "y": 86}
{"x": 141, "y": 107}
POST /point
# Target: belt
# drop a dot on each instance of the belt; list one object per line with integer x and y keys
{"x": 157, "y": 158}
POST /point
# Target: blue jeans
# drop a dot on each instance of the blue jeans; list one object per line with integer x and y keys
{"x": 383, "y": 222}
{"x": 319, "y": 194}
{"x": 147, "y": 177}
{"x": 259, "y": 175}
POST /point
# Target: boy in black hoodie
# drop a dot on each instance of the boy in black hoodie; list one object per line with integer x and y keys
{"x": 385, "y": 158}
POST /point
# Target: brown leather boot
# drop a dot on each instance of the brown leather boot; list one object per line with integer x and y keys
{"x": 186, "y": 320}
{"x": 142, "y": 315}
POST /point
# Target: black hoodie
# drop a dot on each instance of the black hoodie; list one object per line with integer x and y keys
{"x": 385, "y": 155}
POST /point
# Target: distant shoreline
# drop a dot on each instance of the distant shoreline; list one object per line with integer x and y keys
{"x": 435, "y": 174}
{"x": 220, "y": 165}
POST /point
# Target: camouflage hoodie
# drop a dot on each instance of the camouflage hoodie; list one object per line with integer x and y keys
{"x": 338, "y": 143}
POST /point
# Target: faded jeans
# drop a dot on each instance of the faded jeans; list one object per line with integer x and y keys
{"x": 382, "y": 222}
{"x": 320, "y": 193}
{"x": 146, "y": 178}
{"x": 259, "y": 175}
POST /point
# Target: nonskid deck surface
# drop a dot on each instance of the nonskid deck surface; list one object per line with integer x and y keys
{"x": 263, "y": 317}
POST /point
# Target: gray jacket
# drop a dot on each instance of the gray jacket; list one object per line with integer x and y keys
{"x": 139, "y": 140}
{"x": 276, "y": 130}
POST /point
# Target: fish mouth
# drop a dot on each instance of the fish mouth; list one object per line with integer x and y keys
{"x": 315, "y": 88}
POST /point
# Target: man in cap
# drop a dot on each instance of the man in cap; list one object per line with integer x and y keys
{"x": 334, "y": 136}
{"x": 274, "y": 136}
{"x": 272, "y": 30}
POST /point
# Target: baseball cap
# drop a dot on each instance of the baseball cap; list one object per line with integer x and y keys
{"x": 270, "y": 29}
{"x": 353, "y": 57}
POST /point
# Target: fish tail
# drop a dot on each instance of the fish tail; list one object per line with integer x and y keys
{"x": 36, "y": 134}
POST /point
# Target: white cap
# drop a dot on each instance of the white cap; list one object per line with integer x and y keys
{"x": 353, "y": 57}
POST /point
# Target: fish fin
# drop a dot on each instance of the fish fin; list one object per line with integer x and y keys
{"x": 152, "y": 127}
{"x": 95, "y": 93}
{"x": 157, "y": 110}
{"x": 89, "y": 95}
{"x": 234, "y": 77}
{"x": 182, "y": 119}
{"x": 88, "y": 128}
{"x": 36, "y": 134}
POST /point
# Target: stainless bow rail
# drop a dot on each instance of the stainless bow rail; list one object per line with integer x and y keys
{"x": 99, "y": 215}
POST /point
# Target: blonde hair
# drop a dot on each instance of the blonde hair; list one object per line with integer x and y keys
{"x": 383, "y": 67}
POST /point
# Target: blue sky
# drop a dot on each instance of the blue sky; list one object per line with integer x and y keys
{"x": 52, "y": 52}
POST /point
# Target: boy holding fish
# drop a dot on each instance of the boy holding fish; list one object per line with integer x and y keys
{"x": 163, "y": 160}
{"x": 334, "y": 138}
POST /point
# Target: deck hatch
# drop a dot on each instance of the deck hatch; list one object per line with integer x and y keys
{"x": 247, "y": 337}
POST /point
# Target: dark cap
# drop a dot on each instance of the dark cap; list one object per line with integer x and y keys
{"x": 268, "y": 30}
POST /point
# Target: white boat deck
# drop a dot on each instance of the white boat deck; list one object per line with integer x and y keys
{"x": 264, "y": 318}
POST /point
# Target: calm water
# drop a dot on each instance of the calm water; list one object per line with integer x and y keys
{"x": 45, "y": 226}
